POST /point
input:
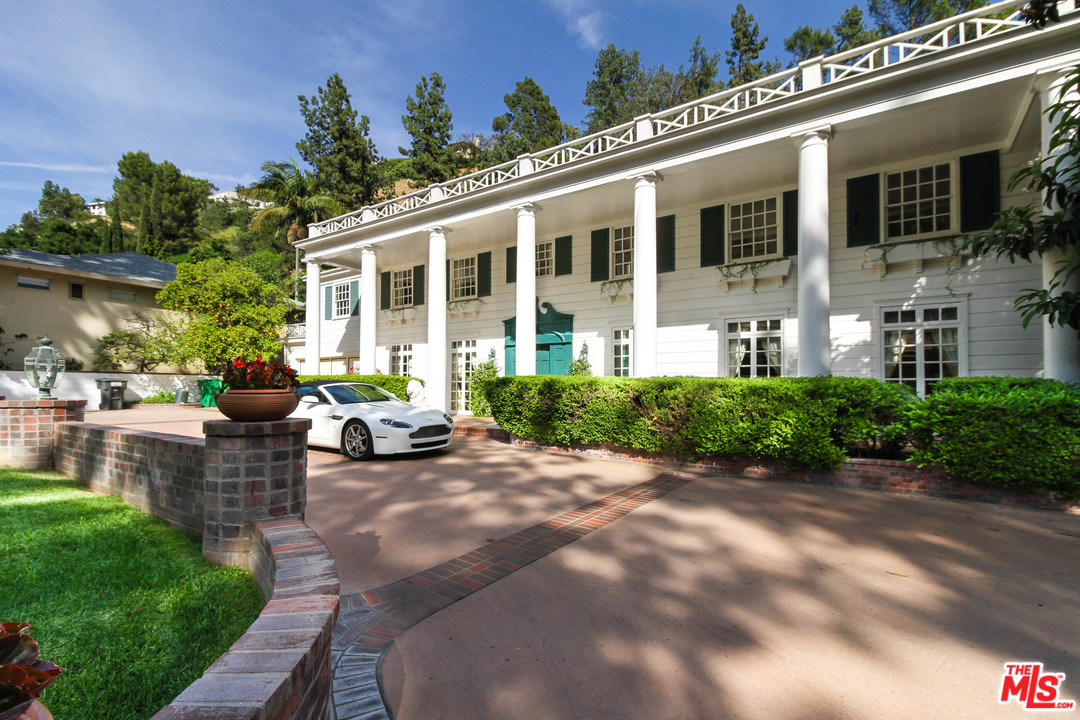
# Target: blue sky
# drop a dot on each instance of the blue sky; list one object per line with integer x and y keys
{"x": 212, "y": 86}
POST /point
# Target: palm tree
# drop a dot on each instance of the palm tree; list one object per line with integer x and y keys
{"x": 295, "y": 197}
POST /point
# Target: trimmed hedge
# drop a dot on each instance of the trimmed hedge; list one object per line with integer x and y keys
{"x": 396, "y": 384}
{"x": 808, "y": 422}
{"x": 1012, "y": 432}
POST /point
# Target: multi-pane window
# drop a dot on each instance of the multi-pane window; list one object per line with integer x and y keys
{"x": 463, "y": 278}
{"x": 401, "y": 359}
{"x": 342, "y": 307}
{"x": 755, "y": 348}
{"x": 545, "y": 259}
{"x": 622, "y": 251}
{"x": 754, "y": 229}
{"x": 402, "y": 288}
{"x": 918, "y": 202}
{"x": 621, "y": 352}
{"x": 462, "y": 363}
{"x": 25, "y": 281}
{"x": 121, "y": 295}
{"x": 921, "y": 344}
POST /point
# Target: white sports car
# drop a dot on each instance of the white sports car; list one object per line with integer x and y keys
{"x": 364, "y": 420}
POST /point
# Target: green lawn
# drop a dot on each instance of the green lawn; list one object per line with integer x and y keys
{"x": 121, "y": 600}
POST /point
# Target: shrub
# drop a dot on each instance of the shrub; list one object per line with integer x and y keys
{"x": 481, "y": 374}
{"x": 396, "y": 384}
{"x": 159, "y": 398}
{"x": 1012, "y": 432}
{"x": 811, "y": 422}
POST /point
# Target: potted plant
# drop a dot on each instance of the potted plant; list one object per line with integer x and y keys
{"x": 257, "y": 390}
{"x": 23, "y": 674}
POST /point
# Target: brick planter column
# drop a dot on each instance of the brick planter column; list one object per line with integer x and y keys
{"x": 255, "y": 471}
{"x": 28, "y": 430}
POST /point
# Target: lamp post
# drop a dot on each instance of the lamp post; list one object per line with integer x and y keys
{"x": 44, "y": 368}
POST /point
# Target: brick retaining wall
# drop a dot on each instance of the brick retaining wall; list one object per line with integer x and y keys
{"x": 160, "y": 474}
{"x": 894, "y": 476}
{"x": 280, "y": 669}
{"x": 27, "y": 429}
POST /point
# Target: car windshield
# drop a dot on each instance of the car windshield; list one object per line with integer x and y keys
{"x": 346, "y": 394}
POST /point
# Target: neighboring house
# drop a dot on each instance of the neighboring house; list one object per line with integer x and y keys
{"x": 797, "y": 225}
{"x": 75, "y": 299}
{"x": 233, "y": 196}
{"x": 97, "y": 208}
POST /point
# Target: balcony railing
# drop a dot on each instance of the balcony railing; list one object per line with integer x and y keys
{"x": 295, "y": 330}
{"x": 960, "y": 30}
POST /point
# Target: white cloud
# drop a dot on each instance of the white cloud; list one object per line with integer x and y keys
{"x": 583, "y": 19}
{"x": 61, "y": 167}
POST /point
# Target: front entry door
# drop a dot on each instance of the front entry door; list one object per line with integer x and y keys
{"x": 554, "y": 342}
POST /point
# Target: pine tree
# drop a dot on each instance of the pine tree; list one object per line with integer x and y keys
{"x": 617, "y": 80}
{"x": 850, "y": 31}
{"x": 897, "y": 16}
{"x": 338, "y": 147}
{"x": 531, "y": 123}
{"x": 699, "y": 79}
{"x": 742, "y": 58}
{"x": 429, "y": 122}
{"x": 142, "y": 245}
{"x": 807, "y": 42}
{"x": 117, "y": 230}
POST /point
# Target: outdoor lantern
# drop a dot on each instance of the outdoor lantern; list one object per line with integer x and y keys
{"x": 44, "y": 368}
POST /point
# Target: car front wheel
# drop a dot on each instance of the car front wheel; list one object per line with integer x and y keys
{"x": 356, "y": 441}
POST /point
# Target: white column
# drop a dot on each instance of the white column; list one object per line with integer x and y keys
{"x": 644, "y": 346}
{"x": 526, "y": 291}
{"x": 313, "y": 321}
{"x": 368, "y": 302}
{"x": 813, "y": 296}
{"x": 436, "y": 379}
{"x": 1061, "y": 345}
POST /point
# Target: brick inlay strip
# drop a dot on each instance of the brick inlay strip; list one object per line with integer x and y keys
{"x": 370, "y": 621}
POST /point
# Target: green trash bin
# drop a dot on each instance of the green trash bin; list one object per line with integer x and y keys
{"x": 208, "y": 392}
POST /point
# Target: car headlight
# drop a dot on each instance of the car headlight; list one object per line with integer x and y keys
{"x": 394, "y": 423}
{"x": 448, "y": 418}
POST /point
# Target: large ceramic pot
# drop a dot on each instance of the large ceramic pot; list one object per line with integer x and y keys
{"x": 36, "y": 711}
{"x": 257, "y": 405}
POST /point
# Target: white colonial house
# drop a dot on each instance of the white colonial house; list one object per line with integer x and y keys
{"x": 802, "y": 224}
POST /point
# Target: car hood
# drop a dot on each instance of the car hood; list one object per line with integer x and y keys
{"x": 396, "y": 410}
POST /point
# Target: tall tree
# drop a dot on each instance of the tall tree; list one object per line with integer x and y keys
{"x": 699, "y": 78}
{"x": 170, "y": 199}
{"x": 850, "y": 31}
{"x": 338, "y": 147}
{"x": 807, "y": 42}
{"x": 295, "y": 200}
{"x": 531, "y": 123}
{"x": 132, "y": 185}
{"x": 617, "y": 79}
{"x": 429, "y": 122}
{"x": 897, "y": 16}
{"x": 746, "y": 46}
{"x": 59, "y": 203}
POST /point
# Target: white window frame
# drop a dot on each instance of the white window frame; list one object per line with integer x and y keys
{"x": 622, "y": 255}
{"x": 462, "y": 351}
{"x": 545, "y": 258}
{"x": 778, "y": 224}
{"x": 919, "y": 325}
{"x": 754, "y": 333}
{"x": 401, "y": 359}
{"x": 627, "y": 341}
{"x": 33, "y": 283}
{"x": 341, "y": 296}
{"x": 464, "y": 269}
{"x": 401, "y": 288}
{"x": 917, "y": 167}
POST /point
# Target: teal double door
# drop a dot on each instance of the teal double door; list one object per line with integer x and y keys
{"x": 554, "y": 342}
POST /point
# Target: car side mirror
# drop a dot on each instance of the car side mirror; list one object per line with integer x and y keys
{"x": 312, "y": 399}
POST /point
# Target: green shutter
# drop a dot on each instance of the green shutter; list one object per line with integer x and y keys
{"x": 665, "y": 244}
{"x": 511, "y": 264}
{"x": 980, "y": 190}
{"x": 601, "y": 255}
{"x": 329, "y": 309}
{"x": 712, "y": 236}
{"x": 483, "y": 274}
{"x": 564, "y": 257}
{"x": 354, "y": 297}
{"x": 864, "y": 210}
{"x": 418, "y": 285}
{"x": 384, "y": 291}
{"x": 791, "y": 223}
{"x": 447, "y": 281}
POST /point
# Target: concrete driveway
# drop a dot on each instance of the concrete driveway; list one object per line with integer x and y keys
{"x": 723, "y": 598}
